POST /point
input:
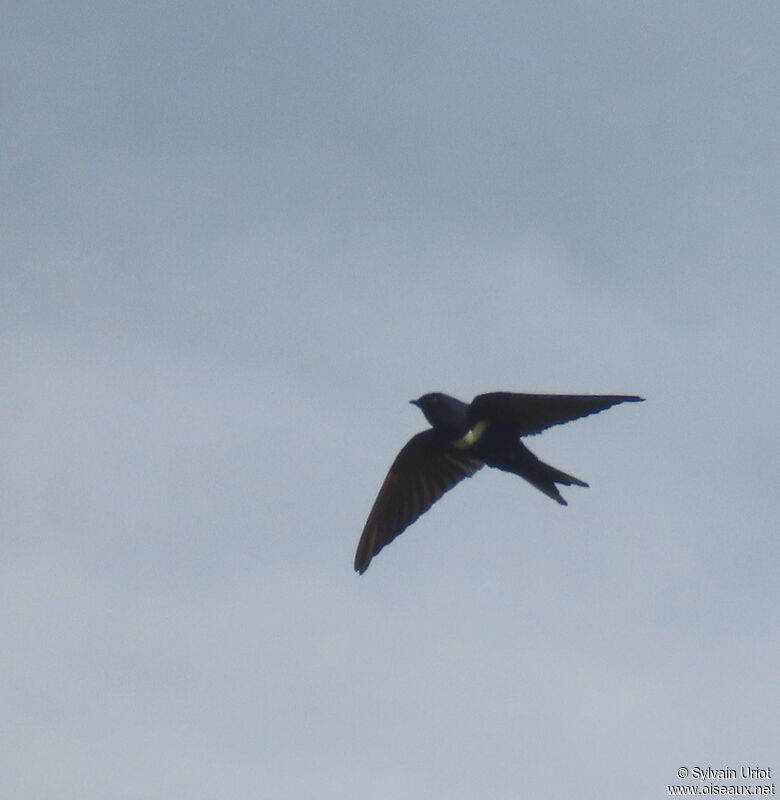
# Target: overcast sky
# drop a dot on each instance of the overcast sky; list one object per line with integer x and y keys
{"x": 237, "y": 239}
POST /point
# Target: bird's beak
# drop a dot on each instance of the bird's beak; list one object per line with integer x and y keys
{"x": 415, "y": 403}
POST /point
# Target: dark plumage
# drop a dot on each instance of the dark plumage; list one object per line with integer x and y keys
{"x": 461, "y": 440}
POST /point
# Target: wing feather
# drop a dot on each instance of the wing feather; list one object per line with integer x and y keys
{"x": 426, "y": 468}
{"x": 527, "y": 414}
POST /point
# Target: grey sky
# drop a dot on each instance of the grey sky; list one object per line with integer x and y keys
{"x": 237, "y": 239}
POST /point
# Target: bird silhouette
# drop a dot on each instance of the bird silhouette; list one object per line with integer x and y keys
{"x": 463, "y": 437}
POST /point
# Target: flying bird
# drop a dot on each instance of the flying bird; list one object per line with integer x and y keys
{"x": 463, "y": 437}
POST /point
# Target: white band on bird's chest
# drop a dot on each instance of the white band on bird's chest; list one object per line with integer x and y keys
{"x": 472, "y": 436}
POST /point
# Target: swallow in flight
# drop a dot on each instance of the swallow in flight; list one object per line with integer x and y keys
{"x": 461, "y": 440}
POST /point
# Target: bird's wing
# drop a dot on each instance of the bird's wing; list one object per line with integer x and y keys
{"x": 426, "y": 468}
{"x": 527, "y": 414}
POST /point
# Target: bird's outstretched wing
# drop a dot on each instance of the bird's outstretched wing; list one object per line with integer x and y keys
{"x": 527, "y": 414}
{"x": 426, "y": 468}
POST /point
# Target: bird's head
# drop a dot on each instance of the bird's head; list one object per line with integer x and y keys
{"x": 444, "y": 412}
